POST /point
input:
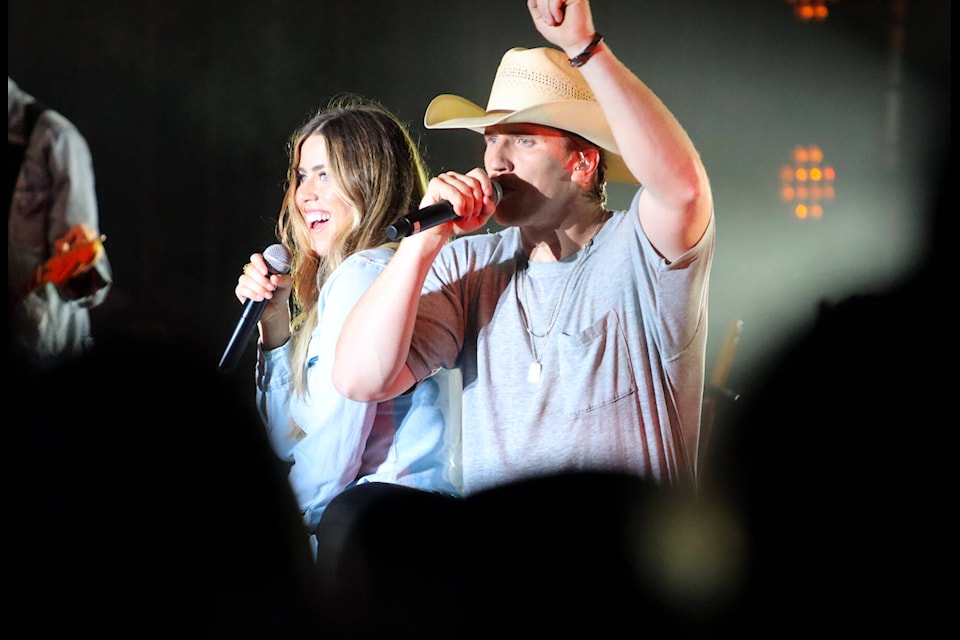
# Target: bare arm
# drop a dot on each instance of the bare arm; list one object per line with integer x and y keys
{"x": 677, "y": 203}
{"x": 370, "y": 363}
{"x": 371, "y": 356}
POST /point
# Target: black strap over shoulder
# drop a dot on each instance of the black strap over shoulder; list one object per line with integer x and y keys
{"x": 31, "y": 114}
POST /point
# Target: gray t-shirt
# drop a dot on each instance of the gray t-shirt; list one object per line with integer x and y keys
{"x": 622, "y": 370}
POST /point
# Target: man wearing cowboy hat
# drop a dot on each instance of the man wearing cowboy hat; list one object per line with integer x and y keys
{"x": 580, "y": 332}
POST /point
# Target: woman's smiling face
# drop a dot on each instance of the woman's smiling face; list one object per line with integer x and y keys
{"x": 319, "y": 200}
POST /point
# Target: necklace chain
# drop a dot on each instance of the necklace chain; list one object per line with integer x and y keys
{"x": 519, "y": 287}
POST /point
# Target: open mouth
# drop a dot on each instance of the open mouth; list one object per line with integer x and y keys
{"x": 316, "y": 221}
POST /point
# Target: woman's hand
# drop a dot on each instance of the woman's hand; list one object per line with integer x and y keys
{"x": 256, "y": 282}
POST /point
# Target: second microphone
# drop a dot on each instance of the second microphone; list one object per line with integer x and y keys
{"x": 431, "y": 216}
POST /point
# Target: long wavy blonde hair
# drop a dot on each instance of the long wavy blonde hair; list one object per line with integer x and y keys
{"x": 377, "y": 168}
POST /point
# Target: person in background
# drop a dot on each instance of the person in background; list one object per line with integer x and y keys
{"x": 354, "y": 170}
{"x": 580, "y": 332}
{"x": 877, "y": 515}
{"x": 57, "y": 267}
{"x": 128, "y": 518}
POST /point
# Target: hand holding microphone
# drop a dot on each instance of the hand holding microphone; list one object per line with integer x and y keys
{"x": 277, "y": 259}
{"x": 431, "y": 216}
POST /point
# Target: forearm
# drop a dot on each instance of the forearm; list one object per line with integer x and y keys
{"x": 677, "y": 204}
{"x": 372, "y": 350}
{"x": 275, "y": 331}
{"x": 652, "y": 142}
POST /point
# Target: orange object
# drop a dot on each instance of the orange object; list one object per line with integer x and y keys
{"x": 67, "y": 264}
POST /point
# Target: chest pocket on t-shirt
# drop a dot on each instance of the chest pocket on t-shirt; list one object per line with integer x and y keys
{"x": 595, "y": 366}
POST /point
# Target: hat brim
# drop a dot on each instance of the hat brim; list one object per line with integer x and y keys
{"x": 581, "y": 117}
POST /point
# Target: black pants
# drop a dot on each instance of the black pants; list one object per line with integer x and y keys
{"x": 555, "y": 554}
{"x": 388, "y": 557}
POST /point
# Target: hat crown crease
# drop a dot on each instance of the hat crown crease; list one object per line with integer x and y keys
{"x": 529, "y": 87}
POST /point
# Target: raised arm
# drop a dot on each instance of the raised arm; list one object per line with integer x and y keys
{"x": 677, "y": 204}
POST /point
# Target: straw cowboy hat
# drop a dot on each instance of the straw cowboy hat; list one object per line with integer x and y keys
{"x": 535, "y": 86}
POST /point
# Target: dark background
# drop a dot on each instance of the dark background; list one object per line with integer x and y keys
{"x": 187, "y": 107}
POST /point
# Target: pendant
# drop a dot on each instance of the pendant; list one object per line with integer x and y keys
{"x": 533, "y": 374}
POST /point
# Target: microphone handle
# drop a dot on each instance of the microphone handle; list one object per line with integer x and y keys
{"x": 252, "y": 310}
{"x": 429, "y": 216}
{"x": 278, "y": 261}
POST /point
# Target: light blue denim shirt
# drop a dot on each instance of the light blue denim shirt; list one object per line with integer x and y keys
{"x": 412, "y": 440}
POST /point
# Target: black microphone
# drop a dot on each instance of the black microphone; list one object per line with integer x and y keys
{"x": 278, "y": 262}
{"x": 431, "y": 216}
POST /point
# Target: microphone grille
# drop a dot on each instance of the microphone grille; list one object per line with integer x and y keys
{"x": 277, "y": 258}
{"x": 497, "y": 191}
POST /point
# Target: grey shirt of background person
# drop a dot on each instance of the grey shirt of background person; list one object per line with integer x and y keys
{"x": 54, "y": 191}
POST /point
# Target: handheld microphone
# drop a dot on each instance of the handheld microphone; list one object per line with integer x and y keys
{"x": 278, "y": 262}
{"x": 431, "y": 216}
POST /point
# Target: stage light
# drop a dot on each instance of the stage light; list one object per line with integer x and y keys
{"x": 811, "y": 10}
{"x": 807, "y": 182}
